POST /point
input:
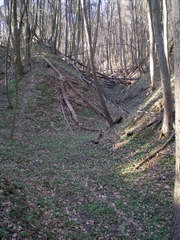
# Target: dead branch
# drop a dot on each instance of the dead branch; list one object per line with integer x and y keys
{"x": 124, "y": 80}
{"x": 64, "y": 115}
{"x": 94, "y": 108}
{"x": 63, "y": 92}
{"x": 153, "y": 154}
{"x": 69, "y": 105}
{"x": 88, "y": 129}
{"x": 64, "y": 95}
{"x": 155, "y": 122}
{"x": 53, "y": 67}
{"x": 83, "y": 78}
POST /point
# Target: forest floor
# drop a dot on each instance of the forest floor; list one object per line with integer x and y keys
{"x": 56, "y": 184}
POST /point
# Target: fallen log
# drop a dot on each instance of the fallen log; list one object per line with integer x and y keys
{"x": 87, "y": 128}
{"x": 155, "y": 122}
{"x": 94, "y": 108}
{"x": 64, "y": 95}
{"x": 69, "y": 105}
{"x": 153, "y": 154}
{"x": 64, "y": 115}
{"x": 122, "y": 80}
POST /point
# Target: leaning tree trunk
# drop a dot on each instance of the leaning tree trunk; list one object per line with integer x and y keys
{"x": 165, "y": 76}
{"x": 91, "y": 60}
{"x": 176, "y": 14}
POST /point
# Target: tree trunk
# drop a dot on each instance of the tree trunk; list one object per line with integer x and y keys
{"x": 67, "y": 30}
{"x": 27, "y": 37}
{"x": 97, "y": 28}
{"x": 165, "y": 30}
{"x": 151, "y": 47}
{"x": 17, "y": 41}
{"x": 176, "y": 14}
{"x": 121, "y": 38}
{"x": 165, "y": 76}
{"x": 91, "y": 60}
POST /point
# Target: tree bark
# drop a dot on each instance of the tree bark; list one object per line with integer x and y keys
{"x": 165, "y": 76}
{"x": 151, "y": 47}
{"x": 165, "y": 30}
{"x": 67, "y": 32}
{"x": 121, "y": 38}
{"x": 97, "y": 28}
{"x": 17, "y": 40}
{"x": 176, "y": 24}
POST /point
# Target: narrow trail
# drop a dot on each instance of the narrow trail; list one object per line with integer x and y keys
{"x": 58, "y": 185}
